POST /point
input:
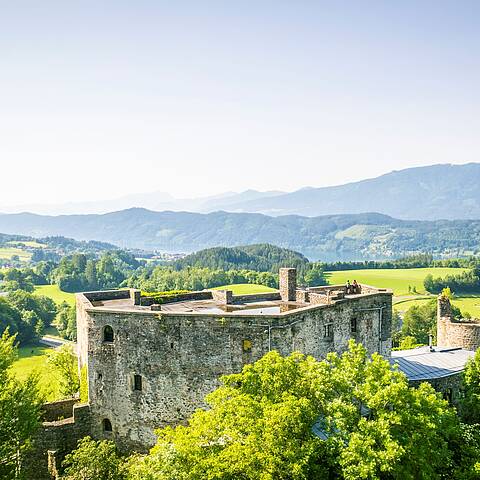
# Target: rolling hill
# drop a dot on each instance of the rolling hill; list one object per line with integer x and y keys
{"x": 329, "y": 238}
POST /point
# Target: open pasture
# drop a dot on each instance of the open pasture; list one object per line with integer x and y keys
{"x": 6, "y": 253}
{"x": 57, "y": 295}
{"x": 397, "y": 279}
{"x": 33, "y": 360}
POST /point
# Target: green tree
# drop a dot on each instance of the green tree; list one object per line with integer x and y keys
{"x": 20, "y": 404}
{"x": 470, "y": 404}
{"x": 66, "y": 321}
{"x": 94, "y": 460}
{"x": 65, "y": 362}
{"x": 369, "y": 424}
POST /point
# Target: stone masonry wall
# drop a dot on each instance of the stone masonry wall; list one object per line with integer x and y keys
{"x": 59, "y": 438}
{"x": 455, "y": 333}
{"x": 180, "y": 357}
{"x": 287, "y": 280}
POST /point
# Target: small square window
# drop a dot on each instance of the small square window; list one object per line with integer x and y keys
{"x": 137, "y": 382}
{"x": 353, "y": 325}
{"x": 328, "y": 330}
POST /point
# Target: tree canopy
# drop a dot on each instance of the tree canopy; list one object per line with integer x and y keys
{"x": 296, "y": 418}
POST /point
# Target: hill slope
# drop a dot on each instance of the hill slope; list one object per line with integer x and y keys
{"x": 261, "y": 257}
{"x": 425, "y": 193}
{"x": 332, "y": 237}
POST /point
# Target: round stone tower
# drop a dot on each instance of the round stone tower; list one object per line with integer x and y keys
{"x": 455, "y": 333}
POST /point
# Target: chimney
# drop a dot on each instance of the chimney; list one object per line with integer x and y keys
{"x": 288, "y": 284}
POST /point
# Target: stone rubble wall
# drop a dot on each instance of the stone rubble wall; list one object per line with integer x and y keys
{"x": 455, "y": 333}
{"x": 54, "y": 440}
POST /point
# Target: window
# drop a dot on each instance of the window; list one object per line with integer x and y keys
{"x": 108, "y": 334}
{"x": 107, "y": 425}
{"x": 328, "y": 330}
{"x": 137, "y": 382}
{"x": 353, "y": 325}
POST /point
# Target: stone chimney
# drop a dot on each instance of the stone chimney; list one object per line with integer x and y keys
{"x": 444, "y": 316}
{"x": 288, "y": 284}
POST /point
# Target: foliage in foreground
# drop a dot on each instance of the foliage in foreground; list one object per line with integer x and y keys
{"x": 19, "y": 412}
{"x": 94, "y": 461}
{"x": 470, "y": 405}
{"x": 64, "y": 360}
{"x": 259, "y": 426}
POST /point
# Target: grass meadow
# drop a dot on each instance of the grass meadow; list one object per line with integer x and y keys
{"x": 55, "y": 294}
{"x": 397, "y": 279}
{"x": 33, "y": 360}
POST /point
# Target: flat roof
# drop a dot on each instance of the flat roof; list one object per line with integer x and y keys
{"x": 208, "y": 306}
{"x": 425, "y": 364}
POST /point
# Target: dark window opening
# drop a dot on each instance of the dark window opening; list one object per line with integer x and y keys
{"x": 328, "y": 330}
{"x": 137, "y": 382}
{"x": 108, "y": 334}
{"x": 353, "y": 325}
{"x": 107, "y": 425}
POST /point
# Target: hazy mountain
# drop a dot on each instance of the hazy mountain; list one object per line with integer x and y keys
{"x": 331, "y": 237}
{"x": 157, "y": 201}
{"x": 422, "y": 193}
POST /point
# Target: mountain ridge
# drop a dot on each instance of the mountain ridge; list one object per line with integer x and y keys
{"x": 329, "y": 237}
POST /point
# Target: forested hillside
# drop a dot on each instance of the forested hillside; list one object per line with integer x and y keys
{"x": 327, "y": 238}
{"x": 261, "y": 257}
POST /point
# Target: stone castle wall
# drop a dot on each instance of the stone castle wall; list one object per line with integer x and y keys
{"x": 455, "y": 333}
{"x": 180, "y": 356}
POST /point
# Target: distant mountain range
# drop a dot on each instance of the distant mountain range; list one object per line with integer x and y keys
{"x": 423, "y": 193}
{"x": 329, "y": 238}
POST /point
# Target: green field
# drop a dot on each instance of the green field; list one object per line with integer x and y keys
{"x": 467, "y": 304}
{"x": 30, "y": 243}
{"x": 33, "y": 359}
{"x": 6, "y": 253}
{"x": 245, "y": 288}
{"x": 396, "y": 279}
{"x": 55, "y": 294}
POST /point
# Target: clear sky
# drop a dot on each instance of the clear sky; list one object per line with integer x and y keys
{"x": 103, "y": 98}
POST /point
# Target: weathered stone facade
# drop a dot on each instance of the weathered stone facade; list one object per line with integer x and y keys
{"x": 456, "y": 333}
{"x": 159, "y": 365}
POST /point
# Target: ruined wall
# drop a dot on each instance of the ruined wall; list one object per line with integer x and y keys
{"x": 55, "y": 439}
{"x": 181, "y": 356}
{"x": 455, "y": 333}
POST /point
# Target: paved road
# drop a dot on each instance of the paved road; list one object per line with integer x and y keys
{"x": 56, "y": 342}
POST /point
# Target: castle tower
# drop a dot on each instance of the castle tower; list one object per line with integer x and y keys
{"x": 288, "y": 284}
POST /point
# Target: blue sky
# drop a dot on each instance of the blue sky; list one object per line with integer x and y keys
{"x": 101, "y": 99}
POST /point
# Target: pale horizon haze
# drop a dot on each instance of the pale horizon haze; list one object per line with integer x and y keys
{"x": 100, "y": 100}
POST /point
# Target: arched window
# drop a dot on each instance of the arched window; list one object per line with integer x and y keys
{"x": 108, "y": 334}
{"x": 107, "y": 425}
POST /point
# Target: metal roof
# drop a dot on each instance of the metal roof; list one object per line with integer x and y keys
{"x": 425, "y": 364}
